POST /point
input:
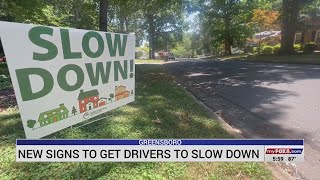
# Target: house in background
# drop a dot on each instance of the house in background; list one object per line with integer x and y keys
{"x": 310, "y": 32}
{"x": 53, "y": 115}
{"x": 121, "y": 92}
{"x": 88, "y": 100}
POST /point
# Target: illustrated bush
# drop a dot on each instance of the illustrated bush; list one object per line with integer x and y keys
{"x": 276, "y": 49}
{"x": 111, "y": 97}
{"x": 309, "y": 48}
{"x": 31, "y": 123}
{"x": 267, "y": 50}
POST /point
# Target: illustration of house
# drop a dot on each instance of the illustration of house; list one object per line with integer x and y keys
{"x": 121, "y": 92}
{"x": 53, "y": 115}
{"x": 88, "y": 100}
{"x": 102, "y": 102}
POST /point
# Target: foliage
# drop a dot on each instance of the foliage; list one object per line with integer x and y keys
{"x": 139, "y": 54}
{"x": 267, "y": 50}
{"x": 265, "y": 20}
{"x": 185, "y": 49}
{"x": 276, "y": 49}
{"x": 227, "y": 22}
{"x": 297, "y": 47}
{"x": 163, "y": 23}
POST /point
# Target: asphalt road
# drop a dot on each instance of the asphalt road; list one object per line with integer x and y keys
{"x": 262, "y": 100}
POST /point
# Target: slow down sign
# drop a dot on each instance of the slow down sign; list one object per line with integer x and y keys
{"x": 64, "y": 76}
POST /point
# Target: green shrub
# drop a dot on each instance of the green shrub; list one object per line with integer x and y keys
{"x": 310, "y": 47}
{"x": 139, "y": 54}
{"x": 276, "y": 49}
{"x": 297, "y": 47}
{"x": 267, "y": 50}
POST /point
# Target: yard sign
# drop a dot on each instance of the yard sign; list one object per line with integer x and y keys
{"x": 64, "y": 76}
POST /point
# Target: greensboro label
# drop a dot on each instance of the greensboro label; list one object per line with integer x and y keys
{"x": 64, "y": 76}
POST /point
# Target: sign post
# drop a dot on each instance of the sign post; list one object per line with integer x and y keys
{"x": 63, "y": 76}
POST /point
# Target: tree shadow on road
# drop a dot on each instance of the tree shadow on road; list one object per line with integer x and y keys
{"x": 245, "y": 93}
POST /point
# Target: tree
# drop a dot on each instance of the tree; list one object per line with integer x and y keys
{"x": 265, "y": 20}
{"x": 289, "y": 21}
{"x": 103, "y": 15}
{"x": 31, "y": 123}
{"x": 111, "y": 96}
{"x": 227, "y": 22}
{"x": 163, "y": 23}
{"x": 74, "y": 111}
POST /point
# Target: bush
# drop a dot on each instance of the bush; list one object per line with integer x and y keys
{"x": 139, "y": 54}
{"x": 267, "y": 50}
{"x": 276, "y": 49}
{"x": 309, "y": 48}
{"x": 297, "y": 47}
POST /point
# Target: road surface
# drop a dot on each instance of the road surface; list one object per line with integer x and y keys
{"x": 262, "y": 100}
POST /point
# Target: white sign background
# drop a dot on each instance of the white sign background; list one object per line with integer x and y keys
{"x": 19, "y": 53}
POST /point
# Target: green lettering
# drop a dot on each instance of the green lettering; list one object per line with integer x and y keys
{"x": 23, "y": 77}
{"x": 62, "y": 77}
{"x": 86, "y": 44}
{"x": 35, "y": 37}
{"x": 119, "y": 69}
{"x": 65, "y": 39}
{"x": 116, "y": 44}
{"x": 100, "y": 72}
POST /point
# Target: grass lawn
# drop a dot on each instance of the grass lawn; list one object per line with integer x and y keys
{"x": 292, "y": 59}
{"x": 161, "y": 110}
{"x": 149, "y": 61}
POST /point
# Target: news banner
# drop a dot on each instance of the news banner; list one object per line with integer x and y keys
{"x": 160, "y": 150}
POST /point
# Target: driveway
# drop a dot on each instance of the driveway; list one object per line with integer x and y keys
{"x": 262, "y": 100}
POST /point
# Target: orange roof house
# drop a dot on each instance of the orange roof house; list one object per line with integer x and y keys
{"x": 121, "y": 92}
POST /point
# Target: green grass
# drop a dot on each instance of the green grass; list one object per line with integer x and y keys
{"x": 157, "y": 98}
{"x": 149, "y": 61}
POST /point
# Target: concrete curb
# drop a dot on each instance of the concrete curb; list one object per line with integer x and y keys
{"x": 276, "y": 169}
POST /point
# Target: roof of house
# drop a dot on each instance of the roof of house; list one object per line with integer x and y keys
{"x": 86, "y": 94}
{"x": 117, "y": 87}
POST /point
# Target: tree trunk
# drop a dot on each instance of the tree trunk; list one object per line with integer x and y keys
{"x": 151, "y": 45}
{"x": 121, "y": 21}
{"x": 227, "y": 38}
{"x": 290, "y": 12}
{"x": 151, "y": 33}
{"x": 103, "y": 15}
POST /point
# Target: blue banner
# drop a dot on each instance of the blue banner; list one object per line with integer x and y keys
{"x": 159, "y": 142}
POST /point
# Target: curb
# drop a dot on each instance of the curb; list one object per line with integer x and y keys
{"x": 277, "y": 171}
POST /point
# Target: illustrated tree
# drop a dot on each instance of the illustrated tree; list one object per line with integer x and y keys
{"x": 111, "y": 97}
{"x": 31, "y": 123}
{"x": 74, "y": 110}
